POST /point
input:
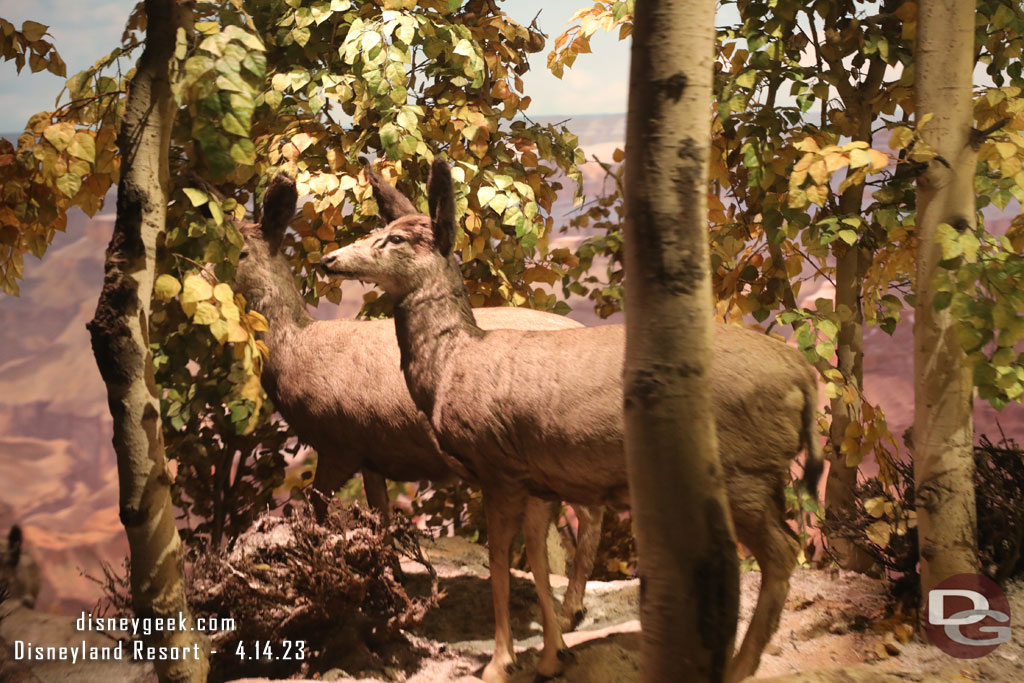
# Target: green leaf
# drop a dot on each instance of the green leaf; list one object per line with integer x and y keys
{"x": 231, "y": 124}
{"x": 825, "y": 349}
{"x": 948, "y": 239}
{"x": 216, "y": 212}
{"x": 389, "y": 136}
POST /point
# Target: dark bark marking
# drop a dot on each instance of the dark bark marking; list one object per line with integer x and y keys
{"x": 679, "y": 271}
{"x": 116, "y": 355}
{"x": 132, "y": 517}
{"x": 716, "y": 578}
{"x": 960, "y": 224}
{"x": 646, "y": 385}
{"x": 672, "y": 87}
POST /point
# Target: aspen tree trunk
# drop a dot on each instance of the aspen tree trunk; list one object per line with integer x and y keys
{"x": 688, "y": 563}
{"x": 851, "y": 265}
{"x": 120, "y": 341}
{"x": 943, "y": 427}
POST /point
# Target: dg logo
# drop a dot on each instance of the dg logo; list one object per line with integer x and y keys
{"x": 968, "y": 616}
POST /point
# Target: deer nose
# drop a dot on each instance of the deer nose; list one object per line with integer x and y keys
{"x": 329, "y": 260}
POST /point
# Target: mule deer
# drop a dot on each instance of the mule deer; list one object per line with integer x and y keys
{"x": 339, "y": 386}
{"x": 19, "y": 573}
{"x": 544, "y": 416}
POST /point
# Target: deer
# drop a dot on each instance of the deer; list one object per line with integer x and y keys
{"x": 338, "y": 385}
{"x": 544, "y": 418}
{"x": 20, "y": 577}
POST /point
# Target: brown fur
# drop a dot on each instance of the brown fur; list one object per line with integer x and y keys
{"x": 543, "y": 416}
{"x": 339, "y": 386}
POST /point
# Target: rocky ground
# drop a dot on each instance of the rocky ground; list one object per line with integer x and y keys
{"x": 833, "y": 621}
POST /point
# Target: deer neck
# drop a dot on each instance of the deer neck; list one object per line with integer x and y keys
{"x": 431, "y": 323}
{"x": 285, "y": 311}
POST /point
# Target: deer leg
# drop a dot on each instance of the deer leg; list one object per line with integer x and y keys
{"x": 332, "y": 471}
{"x": 504, "y": 512}
{"x": 775, "y": 546}
{"x": 535, "y": 527}
{"x": 588, "y": 537}
{"x": 376, "y": 487}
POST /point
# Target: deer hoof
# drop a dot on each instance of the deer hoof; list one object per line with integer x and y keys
{"x": 570, "y": 621}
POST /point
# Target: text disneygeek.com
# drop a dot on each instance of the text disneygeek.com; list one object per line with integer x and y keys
{"x": 129, "y": 646}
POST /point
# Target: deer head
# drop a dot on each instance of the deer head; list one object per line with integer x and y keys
{"x": 412, "y": 248}
{"x": 263, "y": 274}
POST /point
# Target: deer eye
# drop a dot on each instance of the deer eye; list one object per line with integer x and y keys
{"x": 395, "y": 239}
{"x": 243, "y": 254}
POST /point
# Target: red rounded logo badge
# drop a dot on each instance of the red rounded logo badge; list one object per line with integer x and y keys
{"x": 967, "y": 616}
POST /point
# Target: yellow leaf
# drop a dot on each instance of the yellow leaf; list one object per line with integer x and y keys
{"x": 222, "y": 292}
{"x": 879, "y": 160}
{"x": 819, "y": 172}
{"x": 236, "y": 333}
{"x": 835, "y": 161}
{"x": 229, "y": 310}
{"x": 219, "y": 329}
{"x": 875, "y": 506}
{"x": 879, "y": 533}
{"x": 817, "y": 194}
{"x": 618, "y": 155}
{"x": 859, "y": 157}
{"x": 196, "y": 289}
{"x": 256, "y": 321}
{"x": 900, "y": 137}
{"x": 1005, "y": 149}
{"x": 59, "y": 135}
{"x": 206, "y": 313}
{"x": 1010, "y": 167}
{"x": 83, "y": 146}
{"x": 166, "y": 287}
{"x": 808, "y": 144}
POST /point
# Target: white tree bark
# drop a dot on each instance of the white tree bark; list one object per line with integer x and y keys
{"x": 688, "y": 562}
{"x": 943, "y": 391}
{"x": 120, "y": 340}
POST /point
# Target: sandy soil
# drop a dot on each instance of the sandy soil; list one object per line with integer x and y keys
{"x": 835, "y": 626}
{"x": 833, "y": 621}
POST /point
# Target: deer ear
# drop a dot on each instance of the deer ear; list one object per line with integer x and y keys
{"x": 392, "y": 203}
{"x": 278, "y": 208}
{"x": 441, "y": 200}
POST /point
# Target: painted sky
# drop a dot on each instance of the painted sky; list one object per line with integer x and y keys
{"x": 83, "y": 32}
